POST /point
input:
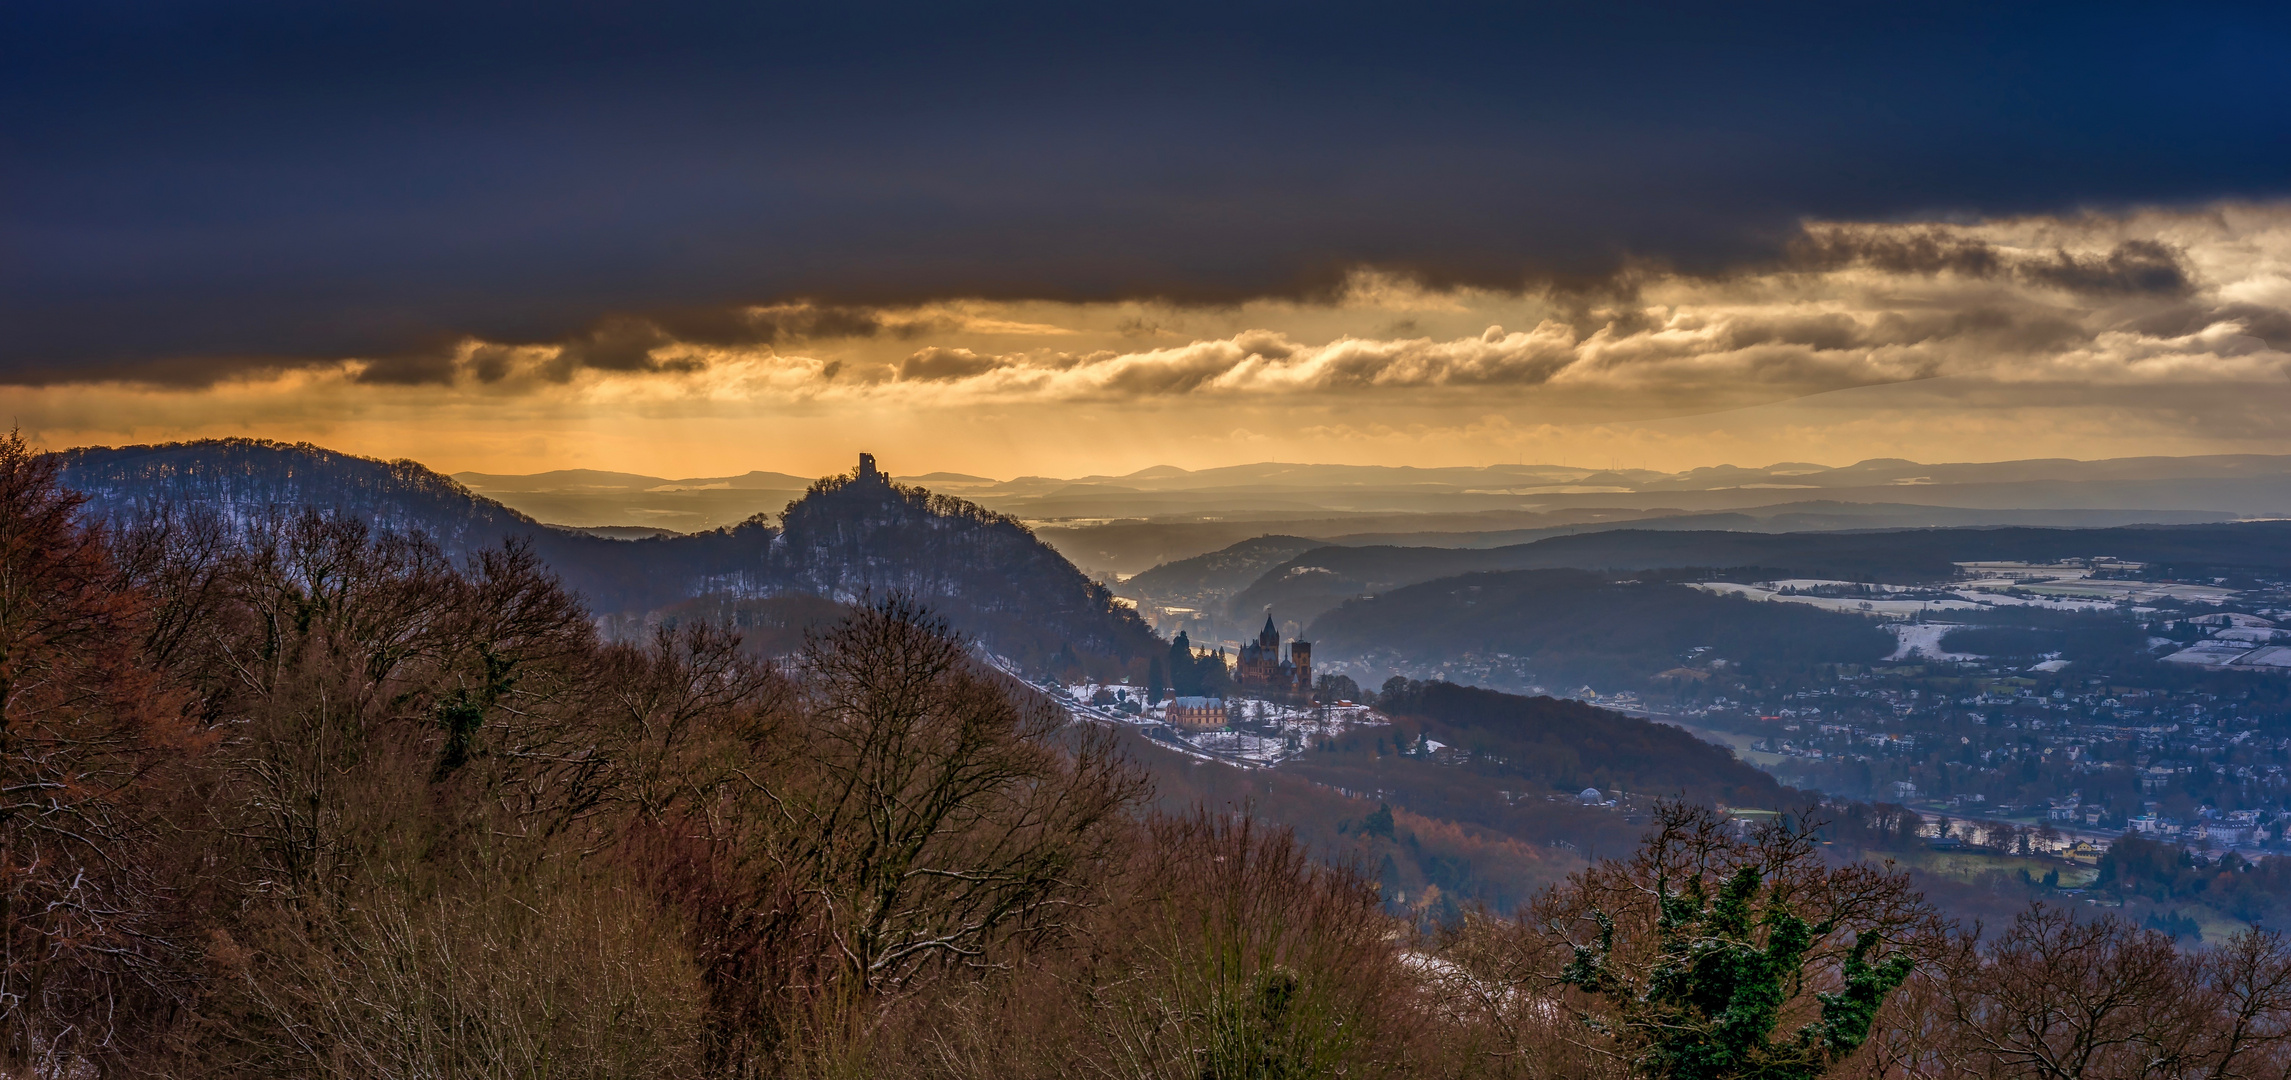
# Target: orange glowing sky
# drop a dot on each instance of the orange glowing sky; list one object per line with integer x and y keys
{"x": 2100, "y": 335}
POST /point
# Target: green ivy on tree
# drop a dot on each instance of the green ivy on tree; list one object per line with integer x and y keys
{"x": 1708, "y": 1006}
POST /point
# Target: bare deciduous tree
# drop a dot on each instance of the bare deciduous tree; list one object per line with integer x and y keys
{"x": 915, "y": 814}
{"x": 1239, "y": 955}
{"x": 2058, "y": 998}
{"x": 85, "y": 729}
{"x": 1690, "y": 958}
{"x": 941, "y": 810}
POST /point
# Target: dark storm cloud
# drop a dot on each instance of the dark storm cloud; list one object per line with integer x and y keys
{"x": 491, "y": 363}
{"x": 769, "y": 325}
{"x": 617, "y": 345}
{"x": 935, "y": 364}
{"x": 2271, "y": 326}
{"x": 630, "y": 343}
{"x": 2042, "y": 302}
{"x": 1896, "y": 251}
{"x": 194, "y": 189}
{"x": 410, "y": 369}
{"x": 2132, "y": 267}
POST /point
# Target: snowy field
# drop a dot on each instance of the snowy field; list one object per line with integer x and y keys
{"x": 2070, "y": 584}
{"x": 1898, "y": 609}
{"x": 1924, "y": 639}
{"x": 1993, "y": 585}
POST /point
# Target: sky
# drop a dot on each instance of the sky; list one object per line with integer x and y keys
{"x": 693, "y": 239}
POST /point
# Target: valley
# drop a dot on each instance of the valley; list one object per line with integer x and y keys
{"x": 2025, "y": 693}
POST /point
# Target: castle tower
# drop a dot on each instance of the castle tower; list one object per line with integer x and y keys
{"x": 1301, "y": 657}
{"x": 866, "y": 466}
{"x": 1260, "y": 660}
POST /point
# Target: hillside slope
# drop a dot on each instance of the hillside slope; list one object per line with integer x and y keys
{"x": 245, "y": 479}
{"x": 1218, "y": 574}
{"x": 847, "y": 537}
{"x": 851, "y": 536}
{"x": 1569, "y": 627}
{"x": 1318, "y": 580}
{"x": 1565, "y": 745}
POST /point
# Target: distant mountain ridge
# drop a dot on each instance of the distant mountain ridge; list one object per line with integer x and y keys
{"x": 1318, "y": 580}
{"x": 601, "y": 480}
{"x": 1206, "y": 579}
{"x": 1584, "y": 628}
{"x": 1264, "y": 478}
{"x": 1875, "y": 471}
{"x": 844, "y": 538}
{"x": 1127, "y": 524}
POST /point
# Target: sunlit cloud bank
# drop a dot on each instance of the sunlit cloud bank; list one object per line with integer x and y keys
{"x": 2156, "y": 331}
{"x": 2145, "y": 298}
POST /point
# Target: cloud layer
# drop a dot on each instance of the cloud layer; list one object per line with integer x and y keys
{"x": 196, "y": 191}
{"x": 2153, "y": 298}
{"x": 2153, "y": 331}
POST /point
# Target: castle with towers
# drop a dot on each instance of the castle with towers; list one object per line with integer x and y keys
{"x": 1260, "y": 667}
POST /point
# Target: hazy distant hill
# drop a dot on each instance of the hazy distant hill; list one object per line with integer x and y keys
{"x": 1317, "y": 580}
{"x": 1218, "y": 574}
{"x": 2241, "y": 485}
{"x": 1571, "y": 627}
{"x": 1131, "y": 546}
{"x": 846, "y": 537}
{"x": 1128, "y": 547}
{"x": 594, "y": 498}
{"x": 597, "y": 480}
{"x": 1826, "y": 515}
{"x": 1126, "y": 524}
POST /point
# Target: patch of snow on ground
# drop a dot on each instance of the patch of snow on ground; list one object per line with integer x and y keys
{"x": 1924, "y": 639}
{"x": 1267, "y": 733}
{"x": 1899, "y": 609}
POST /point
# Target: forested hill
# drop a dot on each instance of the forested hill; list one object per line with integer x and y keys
{"x": 857, "y": 534}
{"x": 848, "y": 537}
{"x": 246, "y": 479}
{"x": 1219, "y": 573}
{"x": 1319, "y": 579}
{"x": 249, "y": 481}
{"x": 1568, "y": 743}
{"x": 1573, "y": 627}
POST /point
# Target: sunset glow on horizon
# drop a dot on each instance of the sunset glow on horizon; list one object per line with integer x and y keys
{"x": 1068, "y": 242}
{"x": 2146, "y": 333}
